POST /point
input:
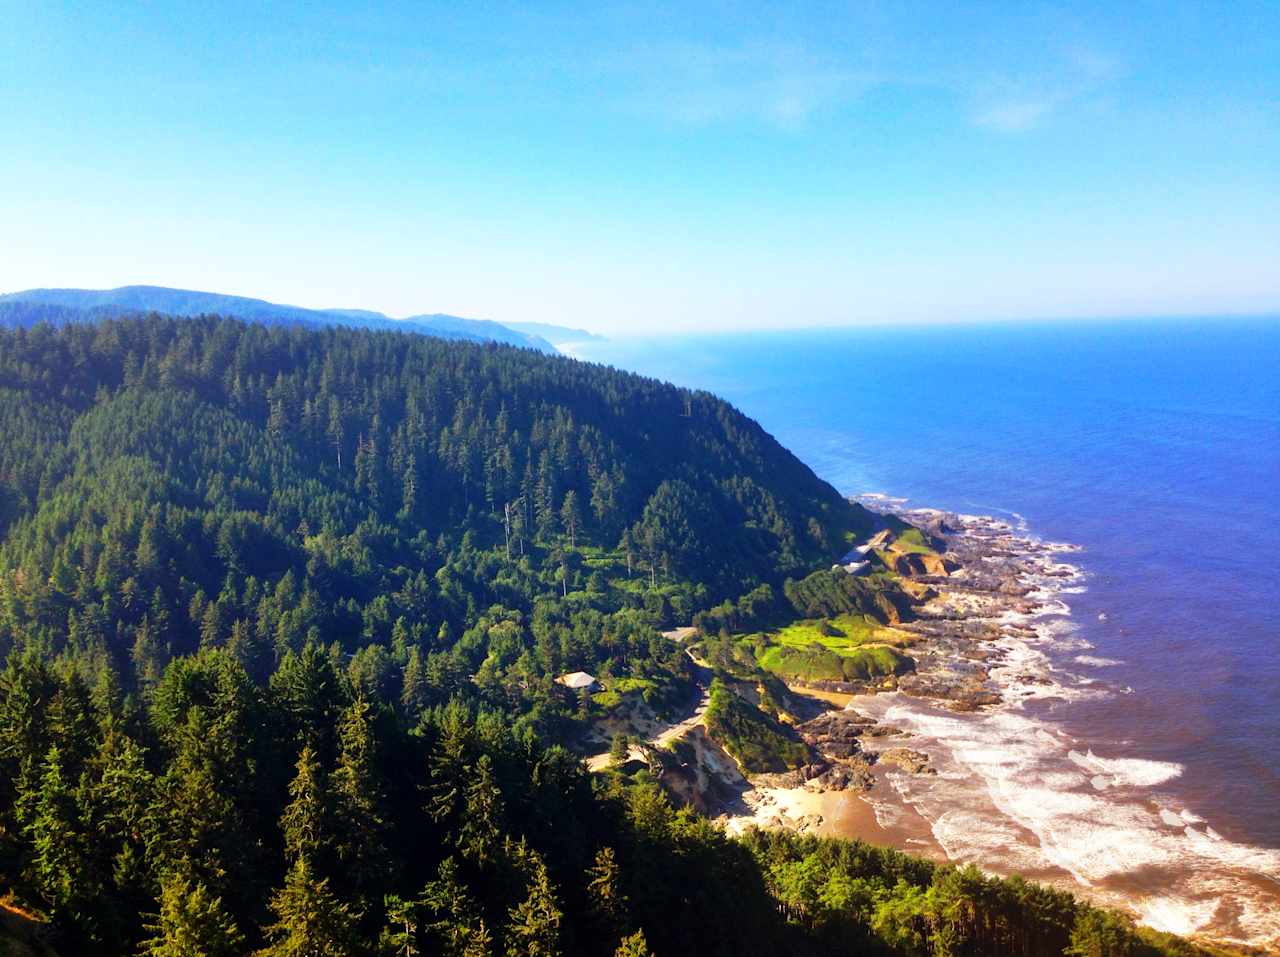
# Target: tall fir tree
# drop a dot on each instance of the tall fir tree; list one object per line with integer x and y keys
{"x": 190, "y": 922}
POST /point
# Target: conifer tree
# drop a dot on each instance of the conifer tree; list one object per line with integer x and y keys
{"x": 118, "y": 806}
{"x": 619, "y": 748}
{"x": 58, "y": 857}
{"x": 571, "y": 517}
{"x": 304, "y": 820}
{"x": 633, "y": 946}
{"x": 628, "y": 548}
{"x": 310, "y": 921}
{"x": 148, "y": 655}
{"x": 190, "y": 922}
{"x": 415, "y": 690}
{"x": 456, "y": 926}
{"x": 358, "y": 800}
{"x": 480, "y": 833}
{"x": 533, "y": 925}
{"x": 399, "y": 937}
{"x": 449, "y": 762}
{"x": 606, "y": 900}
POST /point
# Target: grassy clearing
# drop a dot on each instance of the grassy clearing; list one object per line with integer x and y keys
{"x": 842, "y": 634}
{"x": 629, "y": 685}
{"x": 653, "y": 693}
{"x": 912, "y": 541}
{"x": 607, "y": 699}
{"x": 847, "y": 647}
{"x": 816, "y": 663}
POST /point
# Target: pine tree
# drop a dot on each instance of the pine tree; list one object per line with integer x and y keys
{"x": 634, "y": 946}
{"x": 310, "y": 920}
{"x": 1103, "y": 934}
{"x": 148, "y": 655}
{"x": 449, "y": 762}
{"x": 604, "y": 503}
{"x": 456, "y": 926}
{"x": 58, "y": 850}
{"x": 337, "y": 430}
{"x": 414, "y": 694}
{"x": 606, "y": 901}
{"x": 399, "y": 937}
{"x": 118, "y": 805}
{"x": 628, "y": 547}
{"x": 310, "y": 691}
{"x": 409, "y": 487}
{"x": 481, "y": 828}
{"x": 533, "y": 925}
{"x": 304, "y": 820}
{"x": 191, "y": 922}
{"x": 358, "y": 802}
{"x": 26, "y": 686}
{"x": 571, "y": 517}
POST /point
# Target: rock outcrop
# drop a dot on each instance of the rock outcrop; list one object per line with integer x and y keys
{"x": 913, "y": 762}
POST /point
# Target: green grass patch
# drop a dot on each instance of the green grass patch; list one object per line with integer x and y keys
{"x": 842, "y": 634}
{"x": 912, "y": 540}
{"x": 631, "y": 685}
{"x": 607, "y": 699}
{"x": 817, "y": 663}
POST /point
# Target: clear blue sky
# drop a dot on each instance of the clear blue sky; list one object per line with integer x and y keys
{"x": 640, "y": 167}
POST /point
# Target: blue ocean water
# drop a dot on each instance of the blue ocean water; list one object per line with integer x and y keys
{"x": 1153, "y": 445}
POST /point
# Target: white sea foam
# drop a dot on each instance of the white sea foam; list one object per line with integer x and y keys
{"x": 1015, "y": 793}
{"x": 1127, "y": 772}
{"x": 1004, "y": 774}
{"x": 1174, "y": 915}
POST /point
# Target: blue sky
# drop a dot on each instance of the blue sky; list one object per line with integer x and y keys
{"x": 641, "y": 167}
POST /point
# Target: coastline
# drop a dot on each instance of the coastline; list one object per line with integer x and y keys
{"x": 1004, "y": 786}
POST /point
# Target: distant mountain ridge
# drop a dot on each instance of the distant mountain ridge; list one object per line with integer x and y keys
{"x": 556, "y": 335}
{"x": 61, "y": 306}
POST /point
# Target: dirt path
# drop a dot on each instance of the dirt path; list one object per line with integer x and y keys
{"x": 598, "y": 762}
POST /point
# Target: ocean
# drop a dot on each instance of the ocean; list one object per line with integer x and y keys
{"x": 1151, "y": 776}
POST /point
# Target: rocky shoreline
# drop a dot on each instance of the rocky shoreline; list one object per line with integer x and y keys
{"x": 986, "y": 582}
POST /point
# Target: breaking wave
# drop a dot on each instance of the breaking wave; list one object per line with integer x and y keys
{"x": 1015, "y": 793}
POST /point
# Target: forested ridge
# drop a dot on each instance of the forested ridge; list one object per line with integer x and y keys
{"x": 283, "y": 610}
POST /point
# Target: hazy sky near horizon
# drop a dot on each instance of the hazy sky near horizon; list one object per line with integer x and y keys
{"x": 646, "y": 167}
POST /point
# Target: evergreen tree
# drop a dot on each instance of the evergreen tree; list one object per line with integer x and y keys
{"x": 310, "y": 921}
{"x": 480, "y": 834}
{"x": 448, "y": 775}
{"x": 190, "y": 922}
{"x": 533, "y": 925}
{"x": 1103, "y": 934}
{"x": 358, "y": 802}
{"x": 571, "y": 517}
{"x": 606, "y": 900}
{"x": 58, "y": 848}
{"x": 628, "y": 547}
{"x": 415, "y": 690}
{"x": 401, "y": 931}
{"x": 456, "y": 925}
{"x": 634, "y": 946}
{"x": 619, "y": 749}
{"x": 305, "y": 820}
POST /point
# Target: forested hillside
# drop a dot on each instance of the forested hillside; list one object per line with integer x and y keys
{"x": 61, "y": 306}
{"x": 283, "y": 611}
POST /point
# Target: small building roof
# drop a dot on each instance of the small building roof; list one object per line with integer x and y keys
{"x": 577, "y": 679}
